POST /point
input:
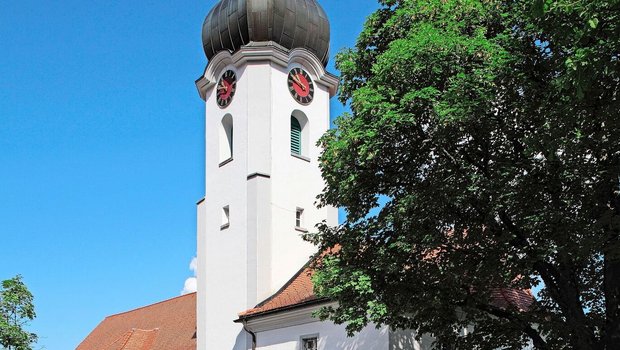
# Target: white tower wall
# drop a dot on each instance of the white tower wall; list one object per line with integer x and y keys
{"x": 263, "y": 185}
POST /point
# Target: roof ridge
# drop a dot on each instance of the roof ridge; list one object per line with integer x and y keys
{"x": 147, "y": 306}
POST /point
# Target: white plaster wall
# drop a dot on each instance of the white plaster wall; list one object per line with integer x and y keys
{"x": 295, "y": 182}
{"x": 224, "y": 255}
{"x": 258, "y": 97}
{"x": 331, "y": 337}
{"x": 201, "y": 227}
{"x": 405, "y": 340}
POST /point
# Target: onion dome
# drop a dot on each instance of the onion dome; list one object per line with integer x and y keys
{"x": 292, "y": 24}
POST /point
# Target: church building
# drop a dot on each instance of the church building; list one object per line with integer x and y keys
{"x": 267, "y": 102}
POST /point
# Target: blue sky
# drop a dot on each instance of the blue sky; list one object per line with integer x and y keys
{"x": 101, "y": 152}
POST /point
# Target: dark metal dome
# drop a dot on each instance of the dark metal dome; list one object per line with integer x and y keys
{"x": 290, "y": 23}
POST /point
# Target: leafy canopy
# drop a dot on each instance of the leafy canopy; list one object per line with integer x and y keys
{"x": 16, "y": 309}
{"x": 491, "y": 130}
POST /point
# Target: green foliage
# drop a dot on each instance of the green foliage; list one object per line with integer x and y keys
{"x": 16, "y": 309}
{"x": 491, "y": 130}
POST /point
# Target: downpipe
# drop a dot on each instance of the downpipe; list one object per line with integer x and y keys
{"x": 245, "y": 328}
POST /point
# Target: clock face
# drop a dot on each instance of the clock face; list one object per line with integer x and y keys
{"x": 226, "y": 88}
{"x": 300, "y": 85}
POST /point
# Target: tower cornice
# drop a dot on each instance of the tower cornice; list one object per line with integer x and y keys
{"x": 266, "y": 52}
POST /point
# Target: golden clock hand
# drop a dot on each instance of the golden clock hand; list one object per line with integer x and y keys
{"x": 298, "y": 81}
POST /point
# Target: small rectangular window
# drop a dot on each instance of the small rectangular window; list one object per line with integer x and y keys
{"x": 225, "y": 217}
{"x": 309, "y": 343}
{"x": 299, "y": 217}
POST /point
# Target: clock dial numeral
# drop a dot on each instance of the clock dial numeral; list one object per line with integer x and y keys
{"x": 300, "y": 86}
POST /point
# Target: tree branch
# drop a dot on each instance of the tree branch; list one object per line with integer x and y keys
{"x": 537, "y": 339}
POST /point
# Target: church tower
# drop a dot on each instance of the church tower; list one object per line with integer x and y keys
{"x": 266, "y": 96}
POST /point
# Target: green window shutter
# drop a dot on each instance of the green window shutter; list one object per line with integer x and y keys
{"x": 295, "y": 136}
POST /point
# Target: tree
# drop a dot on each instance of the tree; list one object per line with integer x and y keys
{"x": 482, "y": 152}
{"x": 16, "y": 310}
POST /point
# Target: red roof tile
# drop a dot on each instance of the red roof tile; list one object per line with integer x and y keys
{"x": 505, "y": 298}
{"x": 167, "y": 325}
{"x": 297, "y": 291}
{"x": 300, "y": 291}
{"x": 136, "y": 339}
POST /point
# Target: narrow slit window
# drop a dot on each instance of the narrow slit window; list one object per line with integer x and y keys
{"x": 225, "y": 217}
{"x": 295, "y": 136}
{"x": 226, "y": 138}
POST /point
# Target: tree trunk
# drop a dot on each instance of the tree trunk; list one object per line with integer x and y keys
{"x": 611, "y": 287}
{"x": 564, "y": 291}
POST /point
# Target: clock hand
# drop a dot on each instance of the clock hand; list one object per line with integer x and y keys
{"x": 298, "y": 81}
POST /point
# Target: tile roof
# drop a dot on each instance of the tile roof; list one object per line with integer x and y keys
{"x": 296, "y": 292}
{"x": 167, "y": 325}
{"x": 136, "y": 339}
{"x": 299, "y": 291}
{"x": 521, "y": 299}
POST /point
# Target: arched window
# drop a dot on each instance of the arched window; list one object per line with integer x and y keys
{"x": 295, "y": 136}
{"x": 226, "y": 138}
{"x": 299, "y": 135}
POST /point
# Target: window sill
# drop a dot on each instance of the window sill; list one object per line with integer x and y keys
{"x": 224, "y": 227}
{"x": 301, "y": 229}
{"x": 301, "y": 157}
{"x": 226, "y": 162}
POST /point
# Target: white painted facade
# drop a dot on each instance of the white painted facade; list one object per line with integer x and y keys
{"x": 262, "y": 185}
{"x": 288, "y": 336}
{"x": 286, "y": 330}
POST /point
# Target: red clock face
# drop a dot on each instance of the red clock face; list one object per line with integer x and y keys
{"x": 226, "y": 88}
{"x": 300, "y": 85}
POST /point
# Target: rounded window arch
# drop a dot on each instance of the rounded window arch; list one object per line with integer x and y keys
{"x": 226, "y": 138}
{"x": 299, "y": 134}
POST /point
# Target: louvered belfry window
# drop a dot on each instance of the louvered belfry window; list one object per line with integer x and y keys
{"x": 295, "y": 136}
{"x": 310, "y": 344}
